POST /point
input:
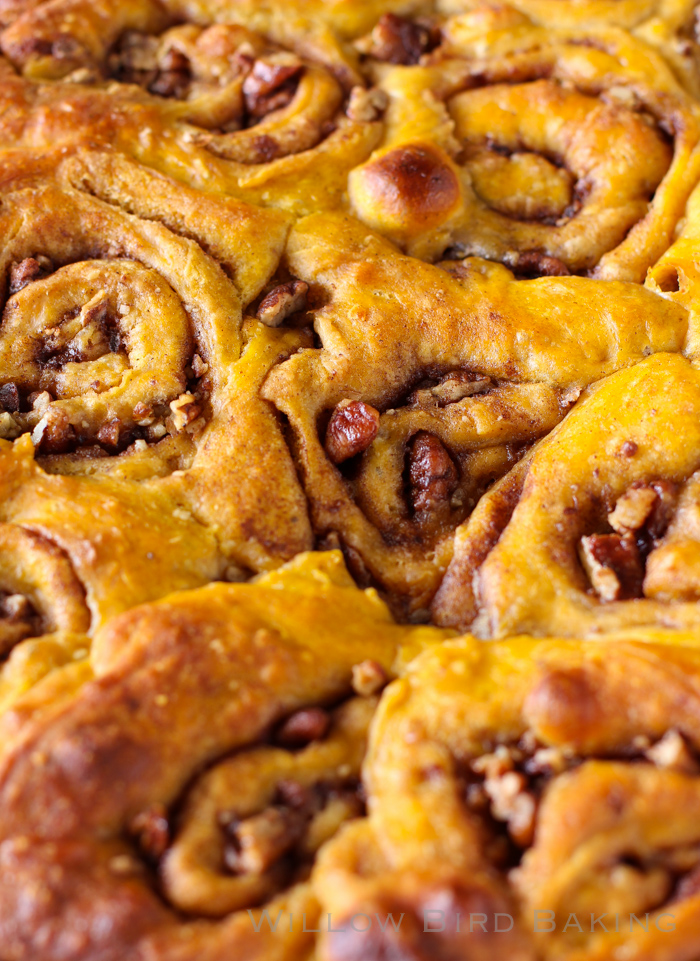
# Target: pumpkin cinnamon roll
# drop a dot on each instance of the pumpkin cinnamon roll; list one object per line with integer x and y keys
{"x": 240, "y": 680}
{"x": 528, "y": 800}
{"x": 429, "y": 383}
{"x": 554, "y": 151}
{"x": 597, "y": 529}
{"x": 668, "y": 25}
{"x": 208, "y": 101}
{"x": 129, "y": 381}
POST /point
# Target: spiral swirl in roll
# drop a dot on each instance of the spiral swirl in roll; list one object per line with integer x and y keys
{"x": 126, "y": 363}
{"x": 518, "y": 791}
{"x": 180, "y": 686}
{"x": 429, "y": 384}
{"x": 212, "y": 103}
{"x": 668, "y": 25}
{"x": 617, "y": 544}
{"x": 553, "y": 151}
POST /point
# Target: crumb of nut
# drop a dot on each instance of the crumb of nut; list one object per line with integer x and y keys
{"x": 459, "y": 385}
{"x": 629, "y": 448}
{"x": 152, "y": 829}
{"x": 235, "y": 574}
{"x": 199, "y": 368}
{"x": 282, "y": 302}
{"x": 303, "y": 727}
{"x": 9, "y": 398}
{"x": 17, "y": 607}
{"x": 9, "y": 428}
{"x": 185, "y": 410}
{"x": 366, "y": 106}
{"x": 368, "y": 677}
{"x": 197, "y": 426}
{"x": 261, "y": 840}
{"x": 549, "y": 760}
{"x": 512, "y": 803}
{"x": 673, "y": 753}
{"x": 143, "y": 414}
{"x": 24, "y": 273}
{"x": 352, "y": 428}
{"x": 157, "y": 431}
{"x": 40, "y": 400}
{"x": 632, "y": 509}
{"x": 140, "y": 445}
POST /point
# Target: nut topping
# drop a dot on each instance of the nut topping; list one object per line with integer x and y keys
{"x": 366, "y": 106}
{"x": 352, "y": 428}
{"x": 398, "y": 40}
{"x": 432, "y": 474}
{"x": 613, "y": 565}
{"x": 283, "y": 301}
{"x": 310, "y": 724}
{"x": 270, "y": 85}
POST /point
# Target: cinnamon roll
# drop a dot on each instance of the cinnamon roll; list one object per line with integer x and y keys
{"x": 429, "y": 383}
{"x": 129, "y": 376}
{"x": 596, "y": 529}
{"x": 528, "y": 800}
{"x": 669, "y": 25}
{"x": 208, "y": 101}
{"x": 240, "y": 679}
{"x": 554, "y": 151}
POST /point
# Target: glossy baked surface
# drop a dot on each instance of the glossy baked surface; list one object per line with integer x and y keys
{"x": 331, "y": 330}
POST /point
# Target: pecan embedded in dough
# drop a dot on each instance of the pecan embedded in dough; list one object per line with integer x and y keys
{"x": 398, "y": 40}
{"x": 270, "y": 86}
{"x": 310, "y": 724}
{"x": 283, "y": 301}
{"x": 351, "y": 430}
{"x": 432, "y": 474}
{"x": 613, "y": 565}
{"x": 365, "y": 106}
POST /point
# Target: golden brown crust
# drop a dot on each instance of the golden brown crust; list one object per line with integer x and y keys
{"x": 561, "y": 759}
{"x": 178, "y": 685}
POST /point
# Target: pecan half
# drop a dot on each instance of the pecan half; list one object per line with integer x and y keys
{"x": 351, "y": 430}
{"x": 432, "y": 474}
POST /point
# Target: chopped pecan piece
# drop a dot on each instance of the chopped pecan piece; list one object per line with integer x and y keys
{"x": 9, "y": 397}
{"x": 632, "y": 509}
{"x": 507, "y": 790}
{"x": 661, "y": 515}
{"x": 613, "y": 565}
{"x": 398, "y": 40}
{"x": 259, "y": 841}
{"x": 17, "y": 607}
{"x": 185, "y": 410}
{"x": 152, "y": 829}
{"x": 26, "y": 271}
{"x": 533, "y": 263}
{"x": 110, "y": 433}
{"x": 366, "y": 106}
{"x": 9, "y": 428}
{"x": 270, "y": 86}
{"x": 432, "y": 474}
{"x": 368, "y": 677}
{"x": 54, "y": 434}
{"x": 283, "y": 301}
{"x": 174, "y": 75}
{"x": 351, "y": 430}
{"x": 673, "y": 752}
{"x": 460, "y": 384}
{"x": 307, "y": 725}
